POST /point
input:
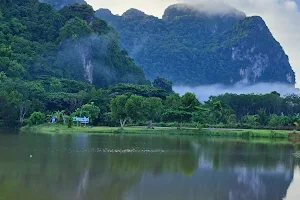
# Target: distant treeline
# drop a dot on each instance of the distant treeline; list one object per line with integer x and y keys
{"x": 36, "y": 102}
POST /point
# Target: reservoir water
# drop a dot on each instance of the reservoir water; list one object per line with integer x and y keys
{"x": 123, "y": 167}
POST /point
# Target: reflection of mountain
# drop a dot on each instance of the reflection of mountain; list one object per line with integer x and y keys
{"x": 253, "y": 184}
{"x": 137, "y": 167}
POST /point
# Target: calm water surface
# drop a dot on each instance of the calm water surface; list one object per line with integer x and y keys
{"x": 145, "y": 168}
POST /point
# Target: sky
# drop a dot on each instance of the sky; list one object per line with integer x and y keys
{"x": 281, "y": 16}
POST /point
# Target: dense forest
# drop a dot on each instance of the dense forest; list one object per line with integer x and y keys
{"x": 191, "y": 46}
{"x": 37, "y": 41}
{"x": 126, "y": 104}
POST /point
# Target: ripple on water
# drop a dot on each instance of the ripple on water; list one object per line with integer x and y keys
{"x": 117, "y": 151}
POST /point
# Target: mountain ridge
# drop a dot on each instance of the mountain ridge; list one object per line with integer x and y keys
{"x": 194, "y": 49}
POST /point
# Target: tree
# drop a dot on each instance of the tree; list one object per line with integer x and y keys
{"x": 60, "y": 116}
{"x": 152, "y": 109}
{"x": 88, "y": 110}
{"x": 37, "y": 118}
{"x": 262, "y": 117}
{"x": 180, "y": 109}
{"x": 178, "y": 116}
{"x": 24, "y": 107}
{"x": 173, "y": 102}
{"x": 189, "y": 102}
{"x": 84, "y": 12}
{"x": 117, "y": 106}
{"x": 274, "y": 121}
{"x": 141, "y": 90}
{"x": 74, "y": 28}
{"x": 250, "y": 120}
{"x": 216, "y": 111}
{"x": 134, "y": 108}
{"x": 163, "y": 84}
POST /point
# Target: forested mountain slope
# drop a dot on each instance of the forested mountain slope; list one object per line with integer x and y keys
{"x": 200, "y": 45}
{"x": 37, "y": 41}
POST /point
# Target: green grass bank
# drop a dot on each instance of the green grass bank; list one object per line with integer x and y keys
{"x": 239, "y": 133}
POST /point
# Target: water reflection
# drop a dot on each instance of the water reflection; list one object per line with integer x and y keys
{"x": 145, "y": 167}
{"x": 293, "y": 191}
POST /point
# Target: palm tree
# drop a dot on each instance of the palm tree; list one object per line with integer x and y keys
{"x": 60, "y": 116}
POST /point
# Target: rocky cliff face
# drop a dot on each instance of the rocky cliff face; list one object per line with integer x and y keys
{"x": 202, "y": 44}
{"x": 59, "y": 4}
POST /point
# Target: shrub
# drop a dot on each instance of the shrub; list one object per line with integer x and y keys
{"x": 69, "y": 121}
{"x": 37, "y": 118}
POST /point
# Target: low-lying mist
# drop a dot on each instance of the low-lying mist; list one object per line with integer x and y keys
{"x": 203, "y": 92}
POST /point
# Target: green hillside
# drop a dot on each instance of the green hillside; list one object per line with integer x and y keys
{"x": 49, "y": 60}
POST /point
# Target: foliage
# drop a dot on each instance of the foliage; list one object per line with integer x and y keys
{"x": 163, "y": 84}
{"x": 69, "y": 121}
{"x": 262, "y": 117}
{"x": 37, "y": 118}
{"x": 117, "y": 106}
{"x": 152, "y": 108}
{"x": 60, "y": 116}
{"x": 251, "y": 120}
{"x": 134, "y": 108}
{"x": 141, "y": 90}
{"x": 189, "y": 102}
{"x": 90, "y": 111}
{"x": 177, "y": 116}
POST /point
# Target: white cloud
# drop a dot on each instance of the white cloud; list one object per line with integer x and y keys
{"x": 152, "y": 7}
{"x": 203, "y": 92}
{"x": 281, "y": 16}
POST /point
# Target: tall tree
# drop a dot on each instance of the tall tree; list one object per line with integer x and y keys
{"x": 152, "y": 109}
{"x": 117, "y": 106}
{"x": 134, "y": 108}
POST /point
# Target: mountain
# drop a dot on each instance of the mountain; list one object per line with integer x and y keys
{"x": 37, "y": 41}
{"x": 59, "y": 4}
{"x": 202, "y": 44}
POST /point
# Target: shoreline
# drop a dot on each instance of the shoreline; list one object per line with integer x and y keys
{"x": 99, "y": 130}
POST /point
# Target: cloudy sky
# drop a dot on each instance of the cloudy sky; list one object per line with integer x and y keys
{"x": 281, "y": 16}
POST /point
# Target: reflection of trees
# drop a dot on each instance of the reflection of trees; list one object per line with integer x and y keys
{"x": 51, "y": 170}
{"x": 231, "y": 153}
{"x": 66, "y": 167}
{"x": 156, "y": 156}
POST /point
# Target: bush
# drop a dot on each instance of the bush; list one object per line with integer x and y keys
{"x": 251, "y": 120}
{"x": 274, "y": 121}
{"x": 69, "y": 121}
{"x": 37, "y": 118}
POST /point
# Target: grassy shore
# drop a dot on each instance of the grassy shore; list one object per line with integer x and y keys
{"x": 60, "y": 129}
{"x": 239, "y": 133}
